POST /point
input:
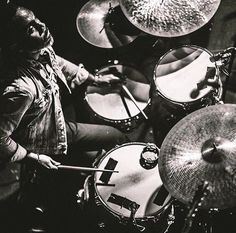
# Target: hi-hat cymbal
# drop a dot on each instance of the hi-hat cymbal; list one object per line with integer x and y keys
{"x": 169, "y": 18}
{"x": 202, "y": 147}
{"x": 103, "y": 24}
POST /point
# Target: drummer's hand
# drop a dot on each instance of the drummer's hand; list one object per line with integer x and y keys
{"x": 44, "y": 160}
{"x": 107, "y": 79}
{"x": 81, "y": 76}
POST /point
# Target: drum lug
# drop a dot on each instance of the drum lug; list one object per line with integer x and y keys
{"x": 80, "y": 198}
{"x": 101, "y": 225}
{"x": 97, "y": 202}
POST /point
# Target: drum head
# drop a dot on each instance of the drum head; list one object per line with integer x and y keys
{"x": 133, "y": 182}
{"x": 110, "y": 102}
{"x": 180, "y": 71}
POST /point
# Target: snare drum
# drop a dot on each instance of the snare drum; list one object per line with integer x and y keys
{"x": 134, "y": 184}
{"x": 110, "y": 105}
{"x": 183, "y": 78}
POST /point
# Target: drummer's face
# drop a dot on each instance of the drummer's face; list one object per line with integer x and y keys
{"x": 33, "y": 35}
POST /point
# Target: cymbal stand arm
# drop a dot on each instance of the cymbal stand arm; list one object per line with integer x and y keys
{"x": 229, "y": 70}
{"x": 110, "y": 10}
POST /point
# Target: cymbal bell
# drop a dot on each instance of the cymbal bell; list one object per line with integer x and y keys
{"x": 103, "y": 24}
{"x": 169, "y": 18}
{"x": 202, "y": 148}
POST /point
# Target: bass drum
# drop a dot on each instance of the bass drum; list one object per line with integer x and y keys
{"x": 134, "y": 186}
{"x": 112, "y": 106}
{"x": 186, "y": 80}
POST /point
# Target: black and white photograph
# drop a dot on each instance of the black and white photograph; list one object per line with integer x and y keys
{"x": 117, "y": 116}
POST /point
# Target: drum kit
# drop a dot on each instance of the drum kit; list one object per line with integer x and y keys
{"x": 138, "y": 183}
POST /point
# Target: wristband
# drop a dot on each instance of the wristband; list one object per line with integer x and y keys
{"x": 96, "y": 77}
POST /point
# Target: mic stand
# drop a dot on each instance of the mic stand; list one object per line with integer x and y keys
{"x": 228, "y": 74}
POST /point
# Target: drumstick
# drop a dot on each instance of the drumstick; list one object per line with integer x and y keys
{"x": 85, "y": 169}
{"x": 134, "y": 101}
{"x": 125, "y": 104}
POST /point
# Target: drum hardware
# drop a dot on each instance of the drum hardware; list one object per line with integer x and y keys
{"x": 225, "y": 58}
{"x": 108, "y": 15}
{"x": 195, "y": 204}
{"x": 201, "y": 147}
{"x": 103, "y": 24}
{"x": 133, "y": 209}
{"x": 149, "y": 156}
{"x": 170, "y": 219}
{"x": 169, "y": 18}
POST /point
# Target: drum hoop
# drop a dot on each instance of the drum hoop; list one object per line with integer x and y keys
{"x": 121, "y": 120}
{"x": 193, "y": 101}
{"x": 115, "y": 213}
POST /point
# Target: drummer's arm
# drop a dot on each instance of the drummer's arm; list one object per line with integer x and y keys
{"x": 75, "y": 74}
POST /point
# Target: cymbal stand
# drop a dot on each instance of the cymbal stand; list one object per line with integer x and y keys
{"x": 196, "y": 203}
{"x": 109, "y": 12}
{"x": 208, "y": 224}
{"x": 228, "y": 71}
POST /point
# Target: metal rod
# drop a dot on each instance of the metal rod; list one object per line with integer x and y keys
{"x": 133, "y": 100}
{"x": 85, "y": 169}
{"x": 230, "y": 66}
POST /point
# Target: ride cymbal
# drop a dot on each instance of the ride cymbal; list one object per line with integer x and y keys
{"x": 169, "y": 18}
{"x": 103, "y": 24}
{"x": 202, "y": 148}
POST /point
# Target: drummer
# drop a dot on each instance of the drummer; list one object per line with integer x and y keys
{"x": 32, "y": 124}
{"x": 32, "y": 77}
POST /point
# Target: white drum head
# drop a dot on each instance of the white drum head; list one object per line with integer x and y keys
{"x": 133, "y": 182}
{"x": 180, "y": 71}
{"x": 109, "y": 102}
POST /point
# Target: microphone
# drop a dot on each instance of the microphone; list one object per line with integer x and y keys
{"x": 225, "y": 54}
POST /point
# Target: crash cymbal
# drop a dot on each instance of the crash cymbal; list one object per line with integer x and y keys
{"x": 103, "y": 24}
{"x": 202, "y": 147}
{"x": 169, "y": 18}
